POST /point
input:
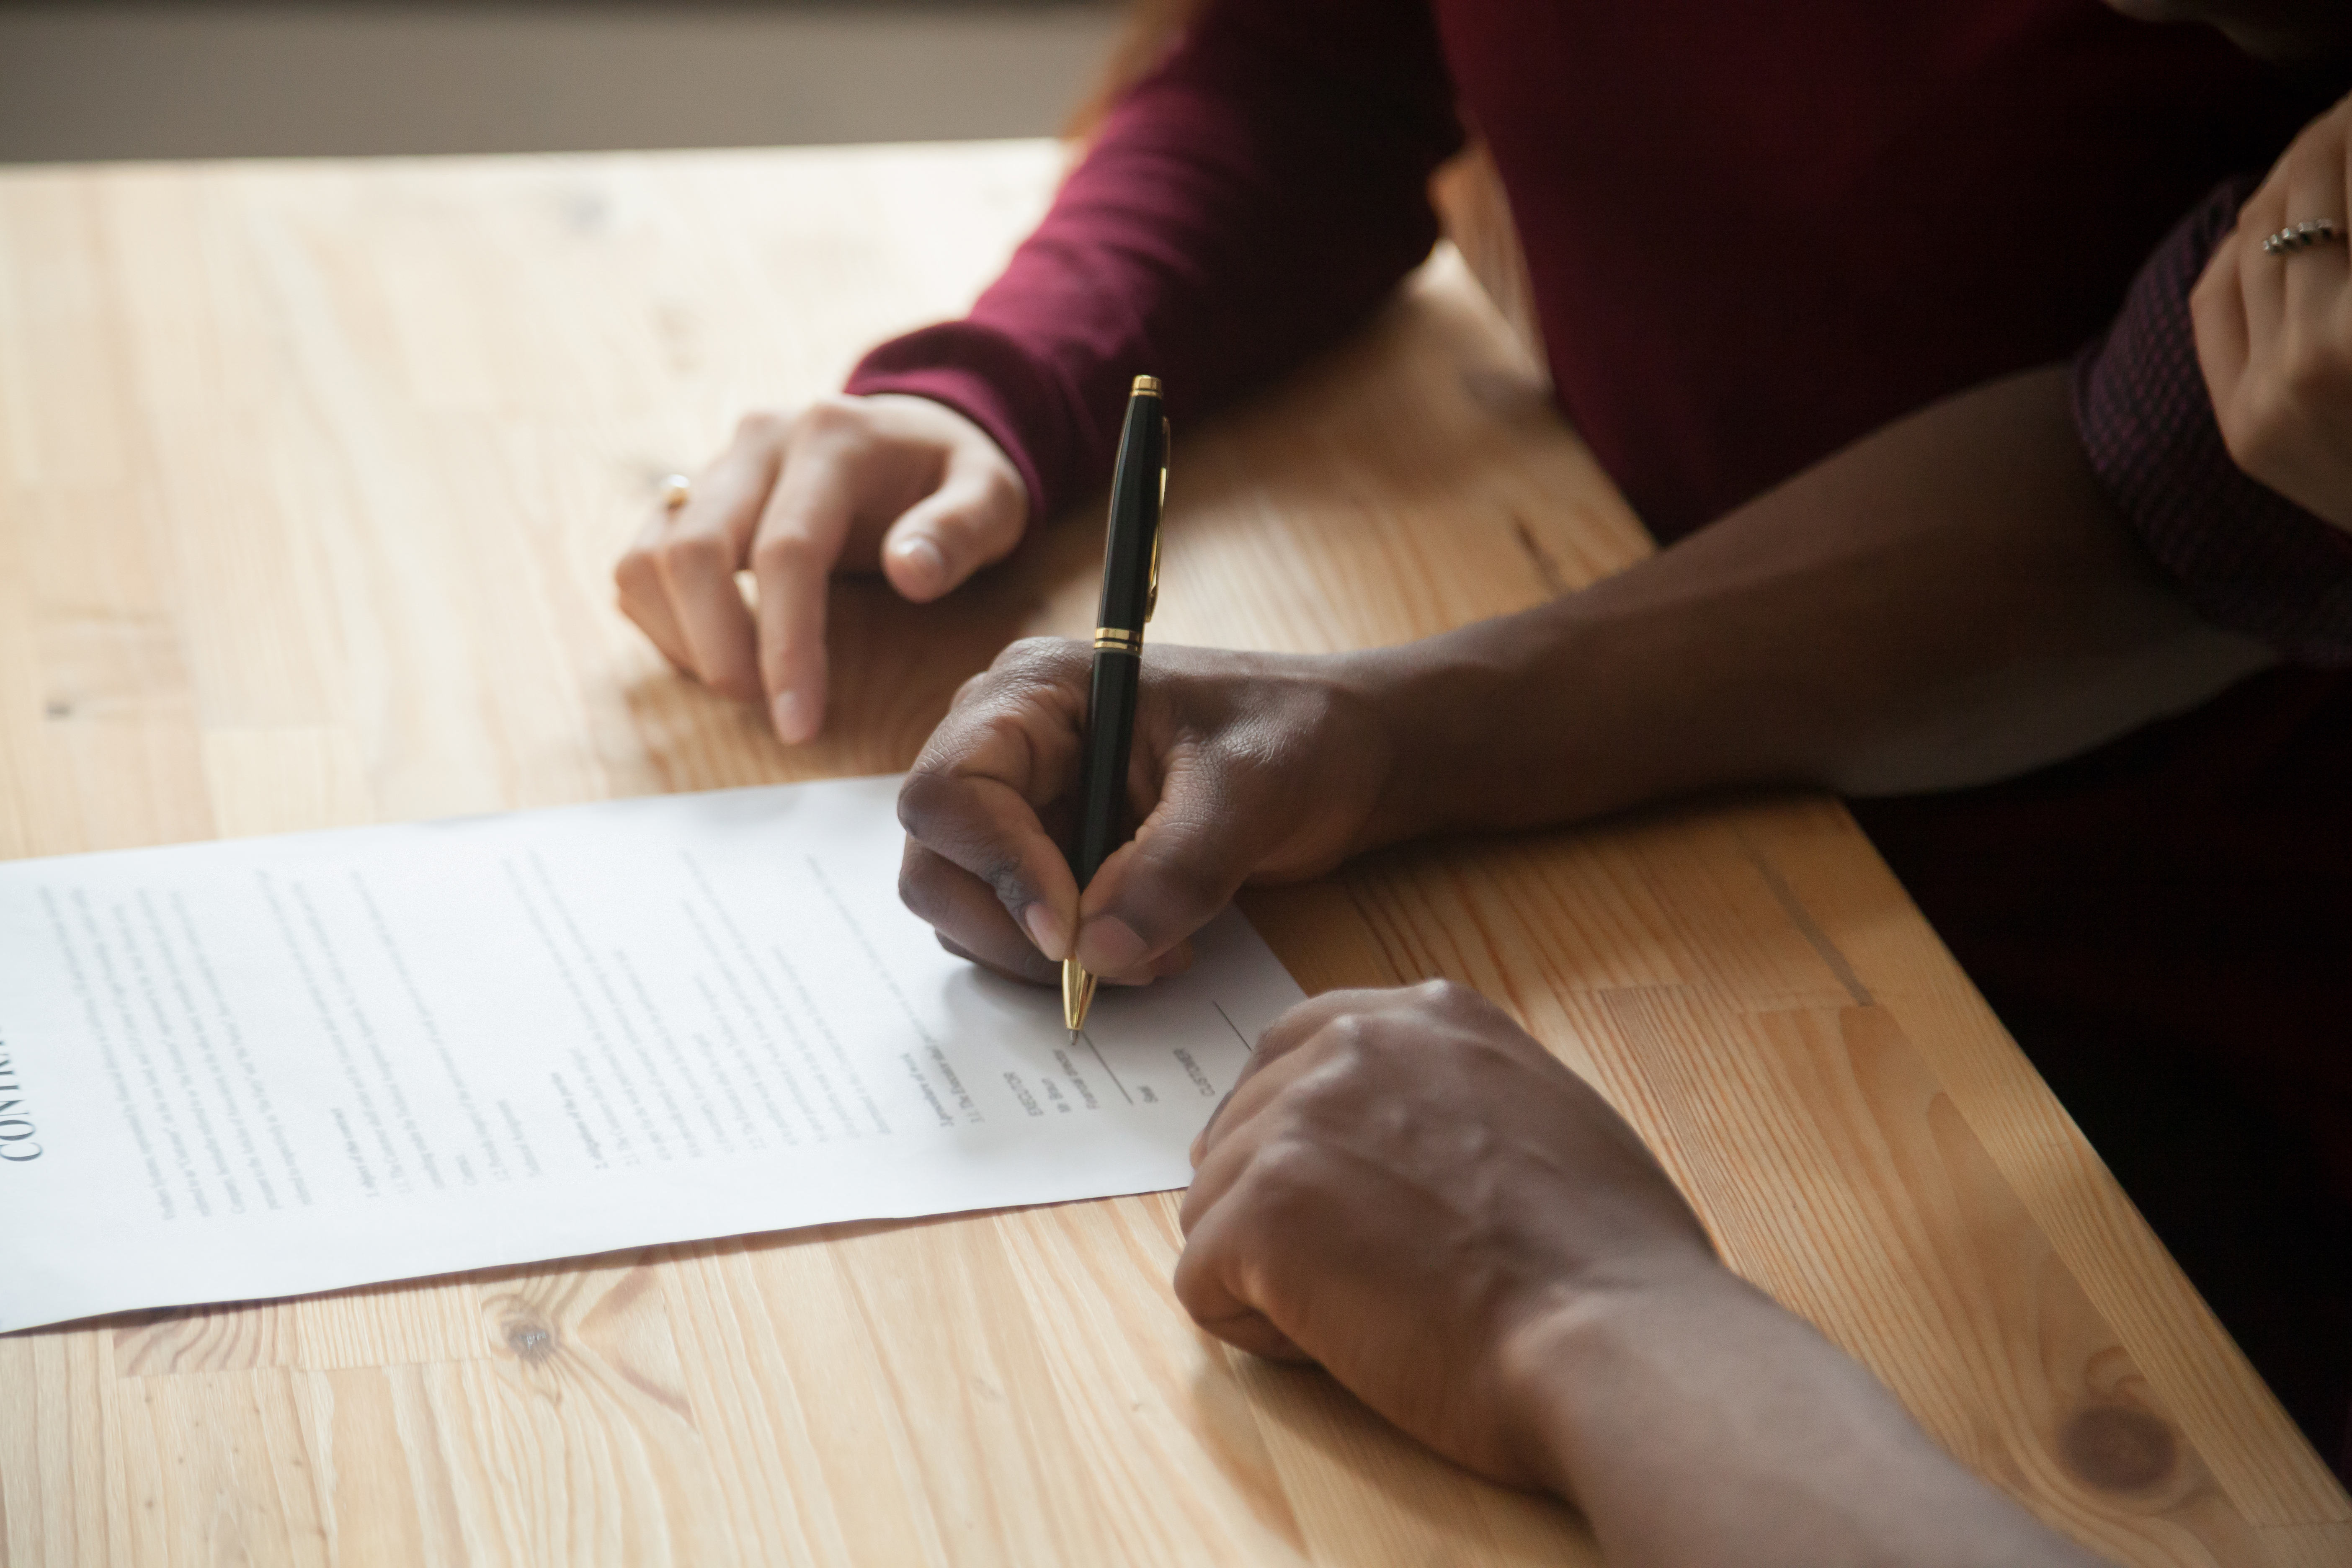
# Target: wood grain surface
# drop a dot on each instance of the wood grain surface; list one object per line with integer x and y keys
{"x": 311, "y": 479}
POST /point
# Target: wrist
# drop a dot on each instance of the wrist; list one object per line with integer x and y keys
{"x": 1493, "y": 727}
{"x": 1577, "y": 1367}
{"x": 1431, "y": 716}
{"x": 1694, "y": 1420}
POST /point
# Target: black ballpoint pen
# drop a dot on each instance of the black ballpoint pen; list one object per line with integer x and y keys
{"x": 1131, "y": 591}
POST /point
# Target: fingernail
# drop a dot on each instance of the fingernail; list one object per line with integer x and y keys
{"x": 922, "y": 567}
{"x": 1108, "y": 946}
{"x": 794, "y": 722}
{"x": 1044, "y": 928}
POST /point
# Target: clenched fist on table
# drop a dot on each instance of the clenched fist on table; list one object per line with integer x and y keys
{"x": 1406, "y": 1188}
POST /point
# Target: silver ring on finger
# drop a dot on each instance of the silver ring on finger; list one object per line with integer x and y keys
{"x": 2301, "y": 237}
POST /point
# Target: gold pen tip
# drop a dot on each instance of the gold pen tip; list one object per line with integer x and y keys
{"x": 1077, "y": 994}
{"x": 1146, "y": 383}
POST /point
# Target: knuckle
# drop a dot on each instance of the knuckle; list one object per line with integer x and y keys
{"x": 1036, "y": 660}
{"x": 786, "y": 555}
{"x": 975, "y": 688}
{"x": 763, "y": 427}
{"x": 1004, "y": 878}
{"x": 2303, "y": 369}
{"x": 934, "y": 785}
{"x": 1188, "y": 880}
{"x": 924, "y": 798}
{"x": 635, "y": 575}
{"x": 950, "y": 838}
{"x": 832, "y": 416}
{"x": 1349, "y": 1035}
{"x": 698, "y": 553}
{"x": 1003, "y": 497}
{"x": 2320, "y": 371}
{"x": 920, "y": 884}
{"x": 1000, "y": 871}
{"x": 2212, "y": 290}
{"x": 1284, "y": 1184}
{"x": 1195, "y": 1281}
{"x": 1469, "y": 1018}
{"x": 1451, "y": 997}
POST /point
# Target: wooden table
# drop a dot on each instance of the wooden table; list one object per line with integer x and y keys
{"x": 311, "y": 478}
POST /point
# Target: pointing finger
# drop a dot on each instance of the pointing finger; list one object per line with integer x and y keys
{"x": 800, "y": 538}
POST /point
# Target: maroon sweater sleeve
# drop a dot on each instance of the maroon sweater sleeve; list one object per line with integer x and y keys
{"x": 2251, "y": 560}
{"x": 1248, "y": 201}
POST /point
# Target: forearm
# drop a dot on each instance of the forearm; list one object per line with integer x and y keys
{"x": 1947, "y": 602}
{"x": 1251, "y": 198}
{"x": 1702, "y": 1423}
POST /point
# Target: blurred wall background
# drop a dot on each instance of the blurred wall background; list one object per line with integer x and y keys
{"x": 202, "y": 78}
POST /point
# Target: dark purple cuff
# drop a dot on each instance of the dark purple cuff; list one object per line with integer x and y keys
{"x": 2250, "y": 560}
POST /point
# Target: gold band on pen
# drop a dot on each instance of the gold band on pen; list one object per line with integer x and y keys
{"x": 1150, "y": 384}
{"x": 1118, "y": 639}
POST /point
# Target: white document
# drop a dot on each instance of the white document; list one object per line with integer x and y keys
{"x": 274, "y": 1066}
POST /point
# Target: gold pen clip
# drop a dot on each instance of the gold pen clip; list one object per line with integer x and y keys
{"x": 1151, "y": 590}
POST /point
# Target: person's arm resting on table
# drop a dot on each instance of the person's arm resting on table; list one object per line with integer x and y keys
{"x": 1247, "y": 202}
{"x": 1406, "y": 1188}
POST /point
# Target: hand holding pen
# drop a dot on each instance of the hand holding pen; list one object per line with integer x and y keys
{"x": 1240, "y": 766}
